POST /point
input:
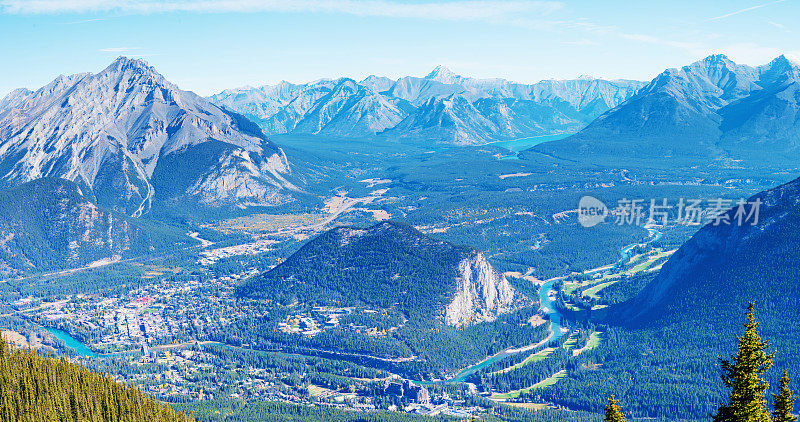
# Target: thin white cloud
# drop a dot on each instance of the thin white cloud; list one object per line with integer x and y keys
{"x": 473, "y": 10}
{"x": 793, "y": 56}
{"x": 750, "y": 53}
{"x": 118, "y": 49}
{"x": 78, "y": 22}
{"x": 745, "y": 10}
{"x": 534, "y": 15}
{"x": 780, "y": 26}
{"x": 613, "y": 31}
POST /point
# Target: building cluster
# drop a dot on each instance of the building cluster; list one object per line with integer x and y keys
{"x": 300, "y": 324}
{"x": 210, "y": 257}
{"x": 406, "y": 389}
{"x": 326, "y": 317}
{"x": 165, "y": 312}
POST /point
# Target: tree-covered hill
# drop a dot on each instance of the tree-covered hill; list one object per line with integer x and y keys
{"x": 36, "y": 388}
{"x": 390, "y": 265}
{"x": 49, "y": 224}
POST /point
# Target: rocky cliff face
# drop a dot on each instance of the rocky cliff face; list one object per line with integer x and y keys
{"x": 481, "y": 293}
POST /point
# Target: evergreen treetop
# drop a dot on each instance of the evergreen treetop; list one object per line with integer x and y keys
{"x": 613, "y": 412}
{"x": 784, "y": 402}
{"x": 742, "y": 373}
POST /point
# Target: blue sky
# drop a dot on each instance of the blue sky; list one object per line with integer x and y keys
{"x": 209, "y": 45}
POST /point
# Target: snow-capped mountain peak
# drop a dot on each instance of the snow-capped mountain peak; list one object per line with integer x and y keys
{"x": 707, "y": 84}
{"x": 444, "y": 75}
{"x": 14, "y": 98}
{"x": 377, "y": 83}
{"x": 713, "y": 108}
{"x": 440, "y": 107}
{"x": 122, "y": 63}
{"x": 119, "y": 133}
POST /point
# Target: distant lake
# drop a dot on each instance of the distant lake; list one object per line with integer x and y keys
{"x": 521, "y": 144}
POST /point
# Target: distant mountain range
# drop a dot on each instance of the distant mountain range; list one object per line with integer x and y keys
{"x": 129, "y": 137}
{"x": 712, "y": 109}
{"x": 391, "y": 265}
{"x": 441, "y": 107}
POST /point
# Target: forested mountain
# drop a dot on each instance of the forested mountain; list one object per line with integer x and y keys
{"x": 722, "y": 267}
{"x": 712, "y": 109}
{"x": 390, "y": 265}
{"x": 48, "y": 224}
{"x": 661, "y": 356}
{"x": 441, "y": 107}
{"x": 124, "y": 135}
{"x": 37, "y": 388}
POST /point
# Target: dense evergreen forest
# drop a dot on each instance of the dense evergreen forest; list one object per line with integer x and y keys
{"x": 743, "y": 376}
{"x": 37, "y": 388}
{"x": 41, "y": 220}
{"x": 269, "y": 411}
{"x": 439, "y": 348}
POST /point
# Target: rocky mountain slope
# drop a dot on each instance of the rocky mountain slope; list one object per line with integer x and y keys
{"x": 390, "y": 265}
{"x": 130, "y": 138}
{"x": 340, "y": 107}
{"x": 14, "y": 98}
{"x": 714, "y": 274}
{"x": 48, "y": 224}
{"x": 440, "y": 107}
{"x": 712, "y": 109}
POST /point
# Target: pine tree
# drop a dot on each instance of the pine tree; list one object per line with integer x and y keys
{"x": 613, "y": 412}
{"x": 784, "y": 402}
{"x": 37, "y": 388}
{"x": 742, "y": 374}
